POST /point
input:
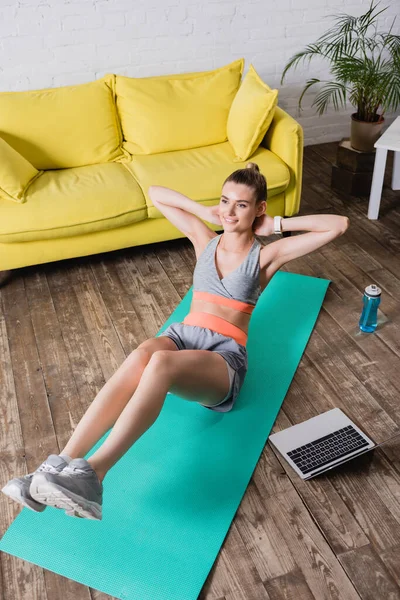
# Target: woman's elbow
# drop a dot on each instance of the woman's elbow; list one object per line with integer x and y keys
{"x": 344, "y": 225}
{"x": 151, "y": 189}
{"x": 153, "y": 193}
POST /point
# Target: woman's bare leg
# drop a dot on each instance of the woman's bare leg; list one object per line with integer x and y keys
{"x": 198, "y": 375}
{"x": 112, "y": 398}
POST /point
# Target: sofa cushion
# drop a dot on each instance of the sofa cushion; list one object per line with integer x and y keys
{"x": 62, "y": 127}
{"x": 16, "y": 173}
{"x": 75, "y": 201}
{"x": 175, "y": 112}
{"x": 199, "y": 173}
{"x": 250, "y": 115}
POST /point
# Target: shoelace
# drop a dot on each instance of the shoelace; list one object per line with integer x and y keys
{"x": 73, "y": 470}
{"x": 76, "y": 470}
{"x": 46, "y": 467}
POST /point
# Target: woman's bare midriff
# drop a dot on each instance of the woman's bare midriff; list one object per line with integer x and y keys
{"x": 236, "y": 317}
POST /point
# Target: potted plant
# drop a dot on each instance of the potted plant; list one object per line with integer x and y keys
{"x": 359, "y": 69}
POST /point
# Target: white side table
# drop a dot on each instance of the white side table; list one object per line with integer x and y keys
{"x": 390, "y": 140}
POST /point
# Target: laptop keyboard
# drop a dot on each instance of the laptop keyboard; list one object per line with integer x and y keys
{"x": 324, "y": 450}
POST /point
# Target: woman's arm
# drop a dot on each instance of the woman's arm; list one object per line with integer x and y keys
{"x": 322, "y": 229}
{"x": 182, "y": 212}
{"x": 165, "y": 195}
{"x": 264, "y": 225}
{"x": 315, "y": 223}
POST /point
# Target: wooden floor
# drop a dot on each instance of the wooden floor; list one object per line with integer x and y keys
{"x": 65, "y": 328}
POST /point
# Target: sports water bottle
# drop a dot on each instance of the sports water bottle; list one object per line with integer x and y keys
{"x": 371, "y": 301}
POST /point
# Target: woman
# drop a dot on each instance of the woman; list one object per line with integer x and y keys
{"x": 202, "y": 359}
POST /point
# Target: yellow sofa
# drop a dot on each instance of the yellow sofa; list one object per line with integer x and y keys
{"x": 96, "y": 148}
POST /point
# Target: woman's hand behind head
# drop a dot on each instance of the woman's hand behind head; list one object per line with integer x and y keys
{"x": 213, "y": 215}
{"x": 263, "y": 225}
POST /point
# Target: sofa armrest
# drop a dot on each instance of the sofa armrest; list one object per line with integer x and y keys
{"x": 285, "y": 139}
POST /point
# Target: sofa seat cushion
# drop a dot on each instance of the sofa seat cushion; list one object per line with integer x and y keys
{"x": 199, "y": 173}
{"x": 68, "y": 202}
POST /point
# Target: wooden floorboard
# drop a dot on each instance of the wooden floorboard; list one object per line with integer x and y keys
{"x": 66, "y": 326}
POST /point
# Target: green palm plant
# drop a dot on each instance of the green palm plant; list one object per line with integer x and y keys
{"x": 361, "y": 73}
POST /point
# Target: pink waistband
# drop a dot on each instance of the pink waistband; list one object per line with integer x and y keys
{"x": 203, "y": 319}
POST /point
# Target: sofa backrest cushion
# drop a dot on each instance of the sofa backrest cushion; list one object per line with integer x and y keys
{"x": 251, "y": 114}
{"x": 70, "y": 126}
{"x": 16, "y": 174}
{"x": 176, "y": 112}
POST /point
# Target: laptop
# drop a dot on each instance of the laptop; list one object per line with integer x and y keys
{"x": 321, "y": 443}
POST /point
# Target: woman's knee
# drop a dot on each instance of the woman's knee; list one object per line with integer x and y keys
{"x": 146, "y": 349}
{"x": 162, "y": 362}
{"x": 139, "y": 355}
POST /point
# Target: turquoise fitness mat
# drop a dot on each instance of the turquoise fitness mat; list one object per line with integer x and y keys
{"x": 169, "y": 502}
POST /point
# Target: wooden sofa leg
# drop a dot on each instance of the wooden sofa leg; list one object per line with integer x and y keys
{"x": 4, "y": 277}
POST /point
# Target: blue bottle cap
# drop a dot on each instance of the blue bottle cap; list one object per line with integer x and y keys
{"x": 373, "y": 290}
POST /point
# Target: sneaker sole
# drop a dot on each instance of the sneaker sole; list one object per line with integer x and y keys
{"x": 52, "y": 494}
{"x": 72, "y": 513}
{"x": 14, "y": 492}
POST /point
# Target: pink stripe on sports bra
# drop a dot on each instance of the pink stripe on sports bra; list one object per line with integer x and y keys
{"x": 236, "y": 304}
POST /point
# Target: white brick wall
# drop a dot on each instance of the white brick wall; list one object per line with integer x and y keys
{"x": 48, "y": 43}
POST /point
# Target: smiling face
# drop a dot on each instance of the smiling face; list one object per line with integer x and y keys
{"x": 237, "y": 206}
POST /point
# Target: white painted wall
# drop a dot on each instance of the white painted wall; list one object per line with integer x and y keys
{"x": 49, "y": 43}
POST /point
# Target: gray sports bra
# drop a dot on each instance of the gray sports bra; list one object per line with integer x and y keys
{"x": 241, "y": 284}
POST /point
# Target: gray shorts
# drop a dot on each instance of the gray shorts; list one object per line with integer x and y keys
{"x": 192, "y": 337}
